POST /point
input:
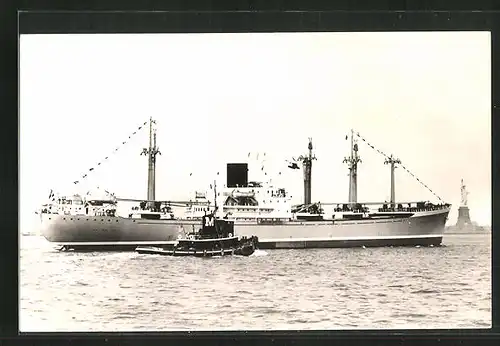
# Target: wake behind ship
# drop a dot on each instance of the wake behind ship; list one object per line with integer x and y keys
{"x": 257, "y": 209}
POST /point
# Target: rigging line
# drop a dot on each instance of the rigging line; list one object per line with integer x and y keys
{"x": 84, "y": 176}
{"x": 406, "y": 169}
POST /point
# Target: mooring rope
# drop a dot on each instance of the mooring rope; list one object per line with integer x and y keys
{"x": 402, "y": 166}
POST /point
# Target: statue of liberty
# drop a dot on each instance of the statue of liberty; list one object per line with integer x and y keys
{"x": 463, "y": 193}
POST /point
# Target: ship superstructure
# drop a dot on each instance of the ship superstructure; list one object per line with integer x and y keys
{"x": 257, "y": 208}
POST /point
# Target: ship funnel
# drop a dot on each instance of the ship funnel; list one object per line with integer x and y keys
{"x": 237, "y": 175}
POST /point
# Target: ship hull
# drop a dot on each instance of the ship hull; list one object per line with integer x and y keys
{"x": 425, "y": 229}
{"x": 434, "y": 240}
{"x": 123, "y": 234}
{"x": 81, "y": 232}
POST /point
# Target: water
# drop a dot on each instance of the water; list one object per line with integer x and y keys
{"x": 440, "y": 287}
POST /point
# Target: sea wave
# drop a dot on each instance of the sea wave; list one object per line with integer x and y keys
{"x": 273, "y": 289}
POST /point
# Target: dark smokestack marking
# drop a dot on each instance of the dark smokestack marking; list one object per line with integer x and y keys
{"x": 237, "y": 174}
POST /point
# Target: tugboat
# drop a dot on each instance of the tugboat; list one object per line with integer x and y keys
{"x": 215, "y": 238}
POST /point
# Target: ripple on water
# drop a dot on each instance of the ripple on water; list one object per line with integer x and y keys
{"x": 284, "y": 289}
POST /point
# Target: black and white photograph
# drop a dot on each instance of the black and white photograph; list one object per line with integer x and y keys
{"x": 254, "y": 181}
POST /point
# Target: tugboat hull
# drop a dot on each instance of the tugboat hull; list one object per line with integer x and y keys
{"x": 215, "y": 238}
{"x": 247, "y": 251}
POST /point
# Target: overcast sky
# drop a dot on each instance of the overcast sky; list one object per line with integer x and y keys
{"x": 424, "y": 97}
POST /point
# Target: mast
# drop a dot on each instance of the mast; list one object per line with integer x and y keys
{"x": 352, "y": 172}
{"x": 307, "y": 163}
{"x": 307, "y": 174}
{"x": 151, "y": 152}
{"x": 392, "y": 161}
{"x": 352, "y": 162}
{"x": 215, "y": 196}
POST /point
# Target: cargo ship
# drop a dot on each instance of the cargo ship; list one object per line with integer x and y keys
{"x": 257, "y": 209}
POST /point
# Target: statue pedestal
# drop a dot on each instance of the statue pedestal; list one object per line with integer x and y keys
{"x": 463, "y": 217}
